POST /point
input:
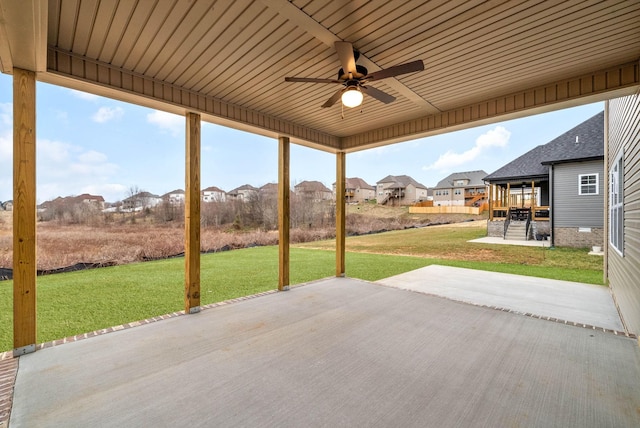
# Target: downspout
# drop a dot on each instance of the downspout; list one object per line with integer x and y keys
{"x": 551, "y": 215}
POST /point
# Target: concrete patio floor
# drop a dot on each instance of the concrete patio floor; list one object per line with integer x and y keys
{"x": 337, "y": 352}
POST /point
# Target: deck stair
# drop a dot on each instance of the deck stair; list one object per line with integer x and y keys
{"x": 517, "y": 231}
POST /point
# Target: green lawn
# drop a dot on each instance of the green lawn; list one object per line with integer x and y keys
{"x": 79, "y": 302}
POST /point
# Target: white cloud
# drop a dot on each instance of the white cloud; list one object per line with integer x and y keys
{"x": 497, "y": 137}
{"x": 168, "y": 122}
{"x": 106, "y": 114}
{"x": 6, "y": 114}
{"x": 84, "y": 95}
{"x": 6, "y": 147}
{"x": 65, "y": 169}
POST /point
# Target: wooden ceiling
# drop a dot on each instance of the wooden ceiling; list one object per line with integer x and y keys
{"x": 227, "y": 59}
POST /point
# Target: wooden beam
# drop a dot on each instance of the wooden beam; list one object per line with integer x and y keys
{"x": 340, "y": 212}
{"x": 24, "y": 211}
{"x": 284, "y": 193}
{"x": 192, "y": 215}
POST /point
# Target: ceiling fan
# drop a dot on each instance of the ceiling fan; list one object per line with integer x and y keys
{"x": 354, "y": 78}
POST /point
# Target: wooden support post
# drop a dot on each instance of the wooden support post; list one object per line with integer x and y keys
{"x": 533, "y": 198}
{"x": 192, "y": 215}
{"x": 508, "y": 196}
{"x": 24, "y": 212}
{"x": 340, "y": 213}
{"x": 491, "y": 202}
{"x": 284, "y": 214}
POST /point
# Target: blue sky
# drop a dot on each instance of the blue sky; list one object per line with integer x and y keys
{"x": 91, "y": 144}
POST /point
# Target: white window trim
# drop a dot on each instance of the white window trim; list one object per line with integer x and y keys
{"x": 616, "y": 230}
{"x": 580, "y": 185}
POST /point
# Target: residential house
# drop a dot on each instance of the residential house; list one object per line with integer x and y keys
{"x": 357, "y": 190}
{"x": 461, "y": 189}
{"x": 557, "y": 188}
{"x": 7, "y": 205}
{"x": 175, "y": 197}
{"x": 622, "y": 245}
{"x": 400, "y": 190}
{"x": 242, "y": 193}
{"x": 213, "y": 194}
{"x": 313, "y": 190}
{"x": 141, "y": 201}
{"x": 269, "y": 189}
{"x": 91, "y": 200}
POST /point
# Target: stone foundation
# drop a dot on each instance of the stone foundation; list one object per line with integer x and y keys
{"x": 495, "y": 229}
{"x": 573, "y": 237}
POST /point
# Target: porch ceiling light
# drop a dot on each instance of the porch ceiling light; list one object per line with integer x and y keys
{"x": 352, "y": 97}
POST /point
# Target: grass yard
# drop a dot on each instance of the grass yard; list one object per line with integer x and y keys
{"x": 79, "y": 302}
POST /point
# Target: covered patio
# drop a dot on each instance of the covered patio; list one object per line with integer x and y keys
{"x": 342, "y": 352}
{"x": 282, "y": 359}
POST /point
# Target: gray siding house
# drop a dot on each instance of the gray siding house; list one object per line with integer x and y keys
{"x": 556, "y": 188}
{"x": 622, "y": 253}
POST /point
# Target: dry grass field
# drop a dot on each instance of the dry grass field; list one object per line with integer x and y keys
{"x": 61, "y": 245}
{"x": 65, "y": 245}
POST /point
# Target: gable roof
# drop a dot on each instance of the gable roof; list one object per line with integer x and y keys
{"x": 244, "y": 187}
{"x": 535, "y": 163}
{"x": 213, "y": 189}
{"x": 311, "y": 186}
{"x": 357, "y": 182}
{"x": 474, "y": 177}
{"x": 173, "y": 192}
{"x": 401, "y": 181}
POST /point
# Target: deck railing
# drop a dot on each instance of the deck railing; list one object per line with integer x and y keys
{"x": 540, "y": 213}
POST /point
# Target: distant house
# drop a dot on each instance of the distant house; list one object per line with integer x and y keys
{"x": 242, "y": 193}
{"x": 357, "y": 190}
{"x": 270, "y": 189}
{"x": 213, "y": 194}
{"x": 557, "y": 188}
{"x": 175, "y": 197}
{"x": 313, "y": 190}
{"x": 7, "y": 205}
{"x": 461, "y": 189}
{"x": 400, "y": 190}
{"x": 141, "y": 201}
{"x": 91, "y": 200}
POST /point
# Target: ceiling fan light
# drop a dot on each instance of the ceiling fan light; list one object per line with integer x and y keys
{"x": 352, "y": 97}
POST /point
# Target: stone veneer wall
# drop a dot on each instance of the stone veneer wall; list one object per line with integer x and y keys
{"x": 495, "y": 229}
{"x": 572, "y": 237}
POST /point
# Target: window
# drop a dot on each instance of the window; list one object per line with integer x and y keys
{"x": 588, "y": 184}
{"x": 616, "y": 205}
{"x": 458, "y": 192}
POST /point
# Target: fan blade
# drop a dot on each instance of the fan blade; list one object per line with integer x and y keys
{"x": 378, "y": 94}
{"x": 334, "y": 98}
{"x": 345, "y": 53}
{"x": 396, "y": 70}
{"x": 310, "y": 80}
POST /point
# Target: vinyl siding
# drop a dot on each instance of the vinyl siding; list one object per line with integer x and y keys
{"x": 624, "y": 271}
{"x": 570, "y": 209}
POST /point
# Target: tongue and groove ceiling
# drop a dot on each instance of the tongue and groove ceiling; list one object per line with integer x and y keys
{"x": 484, "y": 60}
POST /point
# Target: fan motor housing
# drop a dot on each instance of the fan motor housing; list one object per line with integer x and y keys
{"x": 361, "y": 71}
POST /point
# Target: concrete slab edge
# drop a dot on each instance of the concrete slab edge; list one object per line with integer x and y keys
{"x": 526, "y": 314}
